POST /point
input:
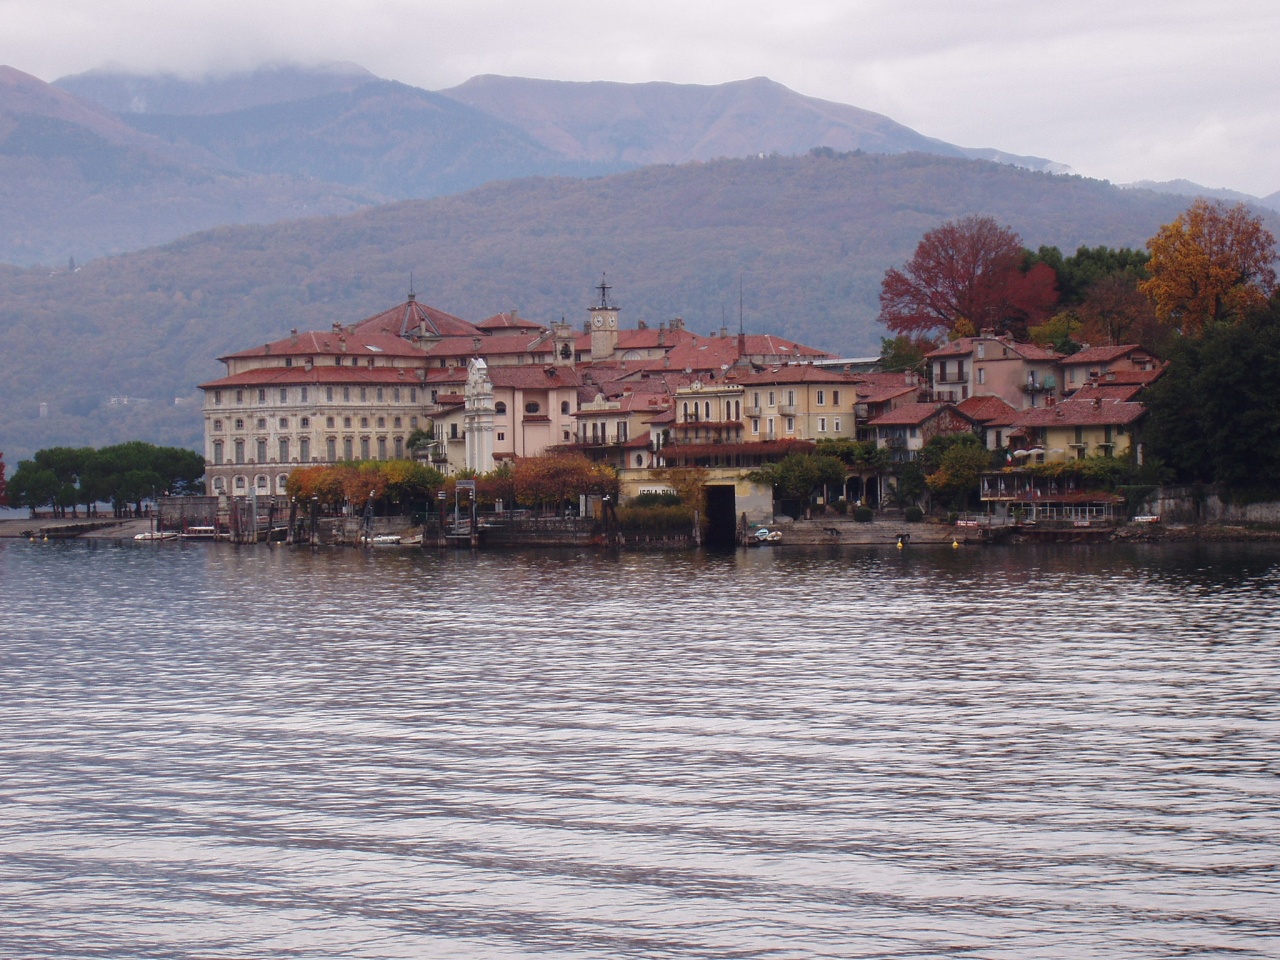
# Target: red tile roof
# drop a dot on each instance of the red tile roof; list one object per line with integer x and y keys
{"x": 340, "y": 342}
{"x": 509, "y": 323}
{"x": 324, "y": 375}
{"x": 909, "y": 414}
{"x": 964, "y": 346}
{"x": 407, "y": 317}
{"x": 1083, "y": 413}
{"x": 630, "y": 403}
{"x": 870, "y": 393}
{"x": 504, "y": 344}
{"x": 1108, "y": 391}
{"x": 1103, "y": 354}
{"x": 525, "y": 377}
{"x": 795, "y": 373}
{"x": 989, "y": 411}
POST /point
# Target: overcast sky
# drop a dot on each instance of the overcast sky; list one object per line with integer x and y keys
{"x": 1118, "y": 89}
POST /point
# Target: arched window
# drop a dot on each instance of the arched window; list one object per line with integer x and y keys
{"x": 219, "y": 485}
{"x": 564, "y": 406}
{"x": 532, "y": 407}
{"x": 500, "y": 408}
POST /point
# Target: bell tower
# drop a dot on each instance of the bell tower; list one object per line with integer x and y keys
{"x": 604, "y": 324}
{"x": 564, "y": 344}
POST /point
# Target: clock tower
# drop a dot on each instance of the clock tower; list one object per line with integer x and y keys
{"x": 604, "y": 325}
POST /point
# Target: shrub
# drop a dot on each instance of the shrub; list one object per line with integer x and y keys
{"x": 913, "y": 514}
{"x": 668, "y": 498}
{"x": 863, "y": 515}
{"x": 657, "y": 519}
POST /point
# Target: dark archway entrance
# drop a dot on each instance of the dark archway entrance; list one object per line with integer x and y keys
{"x": 863, "y": 489}
{"x": 722, "y": 516}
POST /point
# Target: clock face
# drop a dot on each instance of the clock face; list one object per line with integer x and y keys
{"x": 599, "y": 321}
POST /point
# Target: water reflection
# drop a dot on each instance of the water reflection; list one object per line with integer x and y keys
{"x": 851, "y": 752}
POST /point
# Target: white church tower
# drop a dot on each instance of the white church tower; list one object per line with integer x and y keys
{"x": 477, "y": 417}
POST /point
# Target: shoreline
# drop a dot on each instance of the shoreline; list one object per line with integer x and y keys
{"x": 827, "y": 531}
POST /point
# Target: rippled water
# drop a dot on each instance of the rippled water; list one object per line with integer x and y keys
{"x": 210, "y": 752}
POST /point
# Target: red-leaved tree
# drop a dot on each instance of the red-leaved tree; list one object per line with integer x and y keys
{"x": 967, "y": 275}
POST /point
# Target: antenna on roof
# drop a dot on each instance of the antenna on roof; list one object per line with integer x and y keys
{"x": 412, "y": 295}
{"x": 739, "y": 304}
{"x": 604, "y": 289}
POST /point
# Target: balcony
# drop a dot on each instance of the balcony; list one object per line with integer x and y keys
{"x": 1034, "y": 386}
{"x": 787, "y": 409}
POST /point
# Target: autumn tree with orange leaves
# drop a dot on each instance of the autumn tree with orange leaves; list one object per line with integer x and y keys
{"x": 965, "y": 276}
{"x": 1214, "y": 264}
{"x": 555, "y": 479}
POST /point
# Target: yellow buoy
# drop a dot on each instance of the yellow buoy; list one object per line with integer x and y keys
{"x": 955, "y": 544}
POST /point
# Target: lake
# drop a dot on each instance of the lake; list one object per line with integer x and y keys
{"x": 210, "y": 751}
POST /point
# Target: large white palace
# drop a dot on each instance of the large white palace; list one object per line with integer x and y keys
{"x": 509, "y": 387}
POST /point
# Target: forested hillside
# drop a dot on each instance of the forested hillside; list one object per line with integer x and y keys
{"x": 808, "y": 239}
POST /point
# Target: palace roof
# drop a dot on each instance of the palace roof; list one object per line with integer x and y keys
{"x": 406, "y": 318}
{"x": 494, "y": 345}
{"x": 340, "y": 341}
{"x": 510, "y": 323}
{"x": 321, "y": 375}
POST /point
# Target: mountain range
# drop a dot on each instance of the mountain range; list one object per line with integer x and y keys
{"x": 106, "y": 162}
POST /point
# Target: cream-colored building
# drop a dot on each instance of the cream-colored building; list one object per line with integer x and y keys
{"x": 311, "y": 398}
{"x": 798, "y": 402}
